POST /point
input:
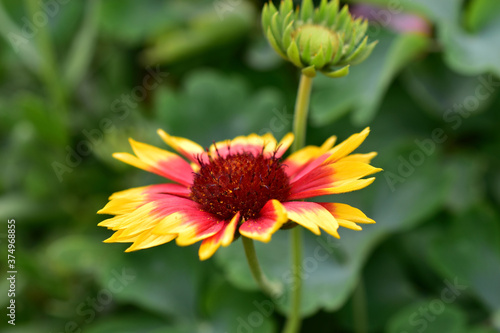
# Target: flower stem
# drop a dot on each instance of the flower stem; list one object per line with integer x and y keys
{"x": 301, "y": 111}
{"x": 271, "y": 289}
{"x": 299, "y": 129}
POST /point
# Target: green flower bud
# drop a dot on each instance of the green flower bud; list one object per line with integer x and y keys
{"x": 317, "y": 39}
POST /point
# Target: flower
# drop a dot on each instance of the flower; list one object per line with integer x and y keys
{"x": 236, "y": 187}
{"x": 321, "y": 39}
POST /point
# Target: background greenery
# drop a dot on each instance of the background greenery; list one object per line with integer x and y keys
{"x": 72, "y": 91}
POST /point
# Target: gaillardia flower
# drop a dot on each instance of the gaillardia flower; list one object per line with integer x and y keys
{"x": 236, "y": 187}
{"x": 317, "y": 39}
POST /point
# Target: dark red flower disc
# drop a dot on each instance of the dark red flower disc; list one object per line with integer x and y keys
{"x": 239, "y": 183}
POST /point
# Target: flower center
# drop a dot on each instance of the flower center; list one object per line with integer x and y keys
{"x": 239, "y": 183}
{"x": 317, "y": 36}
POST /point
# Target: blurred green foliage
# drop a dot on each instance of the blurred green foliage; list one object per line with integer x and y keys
{"x": 77, "y": 78}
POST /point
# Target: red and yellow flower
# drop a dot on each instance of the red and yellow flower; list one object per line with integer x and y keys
{"x": 236, "y": 187}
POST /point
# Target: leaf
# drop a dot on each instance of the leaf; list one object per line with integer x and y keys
{"x": 130, "y": 21}
{"x": 130, "y": 323}
{"x": 232, "y": 310}
{"x": 385, "y": 293}
{"x": 82, "y": 48}
{"x": 24, "y": 47}
{"x": 212, "y": 106}
{"x": 468, "y": 186}
{"x": 433, "y": 316}
{"x": 438, "y": 89}
{"x": 77, "y": 254}
{"x": 363, "y": 89}
{"x": 164, "y": 280}
{"x": 480, "y": 13}
{"x": 474, "y": 237}
{"x": 467, "y": 53}
{"x": 205, "y": 29}
{"x": 472, "y": 54}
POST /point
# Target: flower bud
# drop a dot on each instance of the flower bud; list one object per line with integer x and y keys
{"x": 317, "y": 39}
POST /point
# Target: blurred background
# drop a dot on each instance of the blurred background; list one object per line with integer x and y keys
{"x": 77, "y": 78}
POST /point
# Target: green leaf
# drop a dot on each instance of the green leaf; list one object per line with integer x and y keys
{"x": 332, "y": 12}
{"x": 364, "y": 54}
{"x": 233, "y": 310}
{"x": 274, "y": 43}
{"x": 130, "y": 323}
{"x": 287, "y": 36}
{"x": 350, "y": 56}
{"x": 286, "y": 6}
{"x": 267, "y": 13}
{"x": 385, "y": 293}
{"x": 306, "y": 10}
{"x": 473, "y": 54}
{"x": 319, "y": 60}
{"x": 439, "y": 90}
{"x": 222, "y": 106}
{"x": 276, "y": 28}
{"x": 481, "y": 13}
{"x": 204, "y": 30}
{"x": 344, "y": 71}
{"x": 363, "y": 89}
{"x": 432, "y": 316}
{"x": 309, "y": 71}
{"x": 466, "y": 53}
{"x": 82, "y": 49}
{"x": 468, "y": 186}
{"x": 293, "y": 54}
{"x": 24, "y": 47}
{"x": 474, "y": 237}
{"x": 321, "y": 12}
{"x": 164, "y": 279}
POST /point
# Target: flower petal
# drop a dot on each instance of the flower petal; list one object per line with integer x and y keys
{"x": 148, "y": 239}
{"x": 363, "y": 158}
{"x": 344, "y": 187}
{"x": 348, "y": 146}
{"x": 159, "y": 161}
{"x": 191, "y": 150}
{"x": 284, "y": 144}
{"x": 300, "y": 159}
{"x": 148, "y": 216}
{"x": 271, "y": 218}
{"x": 224, "y": 237}
{"x": 329, "y": 176}
{"x": 312, "y": 215}
{"x": 253, "y": 144}
{"x": 187, "y": 221}
{"x": 346, "y": 215}
{"x": 124, "y": 202}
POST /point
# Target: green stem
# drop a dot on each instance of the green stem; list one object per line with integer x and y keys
{"x": 301, "y": 111}
{"x": 294, "y": 320}
{"x": 265, "y": 285}
{"x": 299, "y": 129}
